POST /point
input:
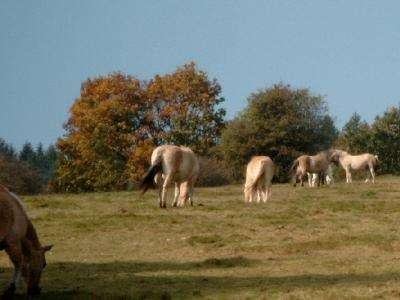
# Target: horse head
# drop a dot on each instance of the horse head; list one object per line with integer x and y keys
{"x": 36, "y": 262}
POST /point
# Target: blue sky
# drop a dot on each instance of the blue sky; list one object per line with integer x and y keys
{"x": 348, "y": 51}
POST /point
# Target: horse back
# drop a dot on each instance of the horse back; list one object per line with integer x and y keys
{"x": 13, "y": 218}
{"x": 6, "y": 218}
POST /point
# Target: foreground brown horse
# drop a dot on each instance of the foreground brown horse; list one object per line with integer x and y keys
{"x": 304, "y": 164}
{"x": 259, "y": 173}
{"x": 172, "y": 164}
{"x": 19, "y": 239}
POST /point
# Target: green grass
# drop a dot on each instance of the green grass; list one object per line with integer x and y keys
{"x": 323, "y": 243}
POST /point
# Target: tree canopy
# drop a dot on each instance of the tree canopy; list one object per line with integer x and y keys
{"x": 118, "y": 120}
{"x": 281, "y": 122}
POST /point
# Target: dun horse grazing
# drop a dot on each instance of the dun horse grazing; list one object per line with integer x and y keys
{"x": 304, "y": 164}
{"x": 19, "y": 239}
{"x": 366, "y": 161}
{"x": 259, "y": 173}
{"x": 172, "y": 164}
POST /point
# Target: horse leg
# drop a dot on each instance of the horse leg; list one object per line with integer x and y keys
{"x": 315, "y": 180}
{"x": 267, "y": 191}
{"x": 371, "y": 169}
{"x": 158, "y": 180}
{"x": 252, "y": 192}
{"x": 259, "y": 192}
{"x": 14, "y": 251}
{"x": 190, "y": 192}
{"x": 176, "y": 196}
{"x": 348, "y": 176}
{"x": 184, "y": 193}
{"x": 310, "y": 179}
{"x": 167, "y": 181}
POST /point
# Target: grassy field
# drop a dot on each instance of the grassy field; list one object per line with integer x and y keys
{"x": 326, "y": 243}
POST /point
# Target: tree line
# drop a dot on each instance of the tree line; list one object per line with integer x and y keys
{"x": 118, "y": 119}
{"x": 28, "y": 171}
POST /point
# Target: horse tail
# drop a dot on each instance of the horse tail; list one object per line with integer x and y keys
{"x": 256, "y": 179}
{"x": 148, "y": 178}
{"x": 376, "y": 162}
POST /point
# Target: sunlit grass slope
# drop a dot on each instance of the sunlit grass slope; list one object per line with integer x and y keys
{"x": 325, "y": 243}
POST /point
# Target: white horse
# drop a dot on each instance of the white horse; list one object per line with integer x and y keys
{"x": 356, "y": 162}
{"x": 172, "y": 164}
{"x": 259, "y": 173}
{"x": 313, "y": 178}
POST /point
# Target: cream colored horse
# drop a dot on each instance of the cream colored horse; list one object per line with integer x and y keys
{"x": 172, "y": 164}
{"x": 259, "y": 173}
{"x": 19, "y": 239}
{"x": 356, "y": 162}
{"x": 304, "y": 164}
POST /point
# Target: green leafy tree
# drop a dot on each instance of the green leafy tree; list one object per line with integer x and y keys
{"x": 281, "y": 122}
{"x": 355, "y": 136}
{"x": 385, "y": 140}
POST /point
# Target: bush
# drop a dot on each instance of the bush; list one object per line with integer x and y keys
{"x": 214, "y": 172}
{"x": 19, "y": 177}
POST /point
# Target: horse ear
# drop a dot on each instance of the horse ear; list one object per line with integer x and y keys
{"x": 47, "y": 248}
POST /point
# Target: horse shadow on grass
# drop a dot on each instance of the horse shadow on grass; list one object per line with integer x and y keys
{"x": 134, "y": 280}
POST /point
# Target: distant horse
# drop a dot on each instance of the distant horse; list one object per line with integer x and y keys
{"x": 259, "y": 173}
{"x": 304, "y": 164}
{"x": 350, "y": 162}
{"x": 172, "y": 164}
{"x": 19, "y": 239}
{"x": 315, "y": 178}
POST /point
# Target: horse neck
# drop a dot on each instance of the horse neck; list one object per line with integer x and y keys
{"x": 342, "y": 156}
{"x": 32, "y": 236}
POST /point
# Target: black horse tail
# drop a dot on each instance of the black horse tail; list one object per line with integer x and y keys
{"x": 148, "y": 179}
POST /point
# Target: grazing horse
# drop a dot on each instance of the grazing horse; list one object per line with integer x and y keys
{"x": 350, "y": 162}
{"x": 304, "y": 164}
{"x": 19, "y": 239}
{"x": 172, "y": 164}
{"x": 315, "y": 178}
{"x": 259, "y": 173}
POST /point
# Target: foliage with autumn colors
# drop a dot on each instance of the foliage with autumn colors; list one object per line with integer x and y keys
{"x": 118, "y": 120}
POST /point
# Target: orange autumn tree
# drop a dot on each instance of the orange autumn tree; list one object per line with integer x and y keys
{"x": 118, "y": 120}
{"x": 106, "y": 122}
{"x": 185, "y": 109}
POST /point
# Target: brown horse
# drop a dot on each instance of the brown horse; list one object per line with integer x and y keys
{"x": 259, "y": 173}
{"x": 172, "y": 164}
{"x": 304, "y": 164}
{"x": 19, "y": 239}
